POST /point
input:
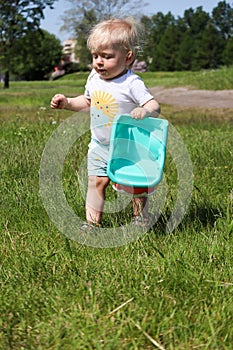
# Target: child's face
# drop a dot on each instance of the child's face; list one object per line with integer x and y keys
{"x": 109, "y": 63}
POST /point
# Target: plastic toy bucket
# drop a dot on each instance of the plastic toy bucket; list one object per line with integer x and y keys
{"x": 137, "y": 153}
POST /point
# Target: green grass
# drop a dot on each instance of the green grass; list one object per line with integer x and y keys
{"x": 219, "y": 79}
{"x": 57, "y": 294}
{"x": 23, "y": 95}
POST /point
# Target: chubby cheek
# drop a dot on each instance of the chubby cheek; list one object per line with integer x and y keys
{"x": 94, "y": 65}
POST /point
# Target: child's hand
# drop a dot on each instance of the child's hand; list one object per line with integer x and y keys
{"x": 59, "y": 101}
{"x": 139, "y": 113}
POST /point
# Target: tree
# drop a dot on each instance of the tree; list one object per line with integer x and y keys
{"x": 37, "y": 54}
{"x": 193, "y": 51}
{"x": 155, "y": 28}
{"x": 196, "y": 20}
{"x": 82, "y": 30}
{"x": 222, "y": 16}
{"x": 228, "y": 53}
{"x": 208, "y": 49}
{"x": 185, "y": 53}
{"x": 167, "y": 49}
{"x": 17, "y": 18}
{"x": 102, "y": 9}
{"x": 185, "y": 48}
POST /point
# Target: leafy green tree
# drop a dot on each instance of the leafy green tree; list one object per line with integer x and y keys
{"x": 193, "y": 49}
{"x": 208, "y": 49}
{"x": 37, "y": 54}
{"x": 196, "y": 20}
{"x": 192, "y": 42}
{"x": 155, "y": 27}
{"x": 17, "y": 17}
{"x": 167, "y": 49}
{"x": 222, "y": 17}
{"x": 184, "y": 53}
{"x": 227, "y": 55}
{"x": 185, "y": 46}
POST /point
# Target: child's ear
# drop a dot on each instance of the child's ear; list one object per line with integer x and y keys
{"x": 130, "y": 57}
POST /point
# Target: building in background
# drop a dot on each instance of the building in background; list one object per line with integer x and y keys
{"x": 69, "y": 51}
{"x": 69, "y": 61}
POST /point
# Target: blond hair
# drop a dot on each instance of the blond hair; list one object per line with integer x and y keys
{"x": 117, "y": 33}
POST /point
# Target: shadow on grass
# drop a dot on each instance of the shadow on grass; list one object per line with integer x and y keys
{"x": 198, "y": 216}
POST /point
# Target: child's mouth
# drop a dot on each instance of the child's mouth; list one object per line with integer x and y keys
{"x": 102, "y": 71}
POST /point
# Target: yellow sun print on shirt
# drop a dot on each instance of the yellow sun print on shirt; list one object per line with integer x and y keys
{"x": 106, "y": 104}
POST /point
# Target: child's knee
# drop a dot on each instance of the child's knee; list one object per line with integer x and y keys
{"x": 102, "y": 182}
{"x": 98, "y": 182}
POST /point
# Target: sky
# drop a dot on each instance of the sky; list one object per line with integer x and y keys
{"x": 52, "y": 22}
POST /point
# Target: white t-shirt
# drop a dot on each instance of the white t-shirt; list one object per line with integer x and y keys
{"x": 113, "y": 97}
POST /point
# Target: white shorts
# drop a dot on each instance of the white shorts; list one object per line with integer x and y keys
{"x": 98, "y": 155}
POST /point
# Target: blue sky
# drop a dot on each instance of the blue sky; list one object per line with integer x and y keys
{"x": 53, "y": 22}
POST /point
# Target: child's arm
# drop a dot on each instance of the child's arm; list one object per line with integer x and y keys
{"x": 146, "y": 110}
{"x": 79, "y": 103}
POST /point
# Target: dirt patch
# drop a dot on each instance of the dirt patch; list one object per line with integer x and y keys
{"x": 182, "y": 96}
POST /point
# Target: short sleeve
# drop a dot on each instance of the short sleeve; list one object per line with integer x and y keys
{"x": 87, "y": 86}
{"x": 139, "y": 92}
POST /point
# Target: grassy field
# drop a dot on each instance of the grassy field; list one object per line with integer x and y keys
{"x": 162, "y": 291}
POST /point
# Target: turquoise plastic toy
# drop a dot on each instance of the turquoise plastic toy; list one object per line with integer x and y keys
{"x": 137, "y": 151}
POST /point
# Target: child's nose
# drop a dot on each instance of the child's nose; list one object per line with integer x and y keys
{"x": 99, "y": 60}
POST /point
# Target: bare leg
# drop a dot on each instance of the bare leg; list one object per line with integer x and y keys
{"x": 95, "y": 198}
{"x": 140, "y": 206}
{"x": 140, "y": 212}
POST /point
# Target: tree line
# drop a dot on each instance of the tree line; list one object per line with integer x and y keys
{"x": 197, "y": 40}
